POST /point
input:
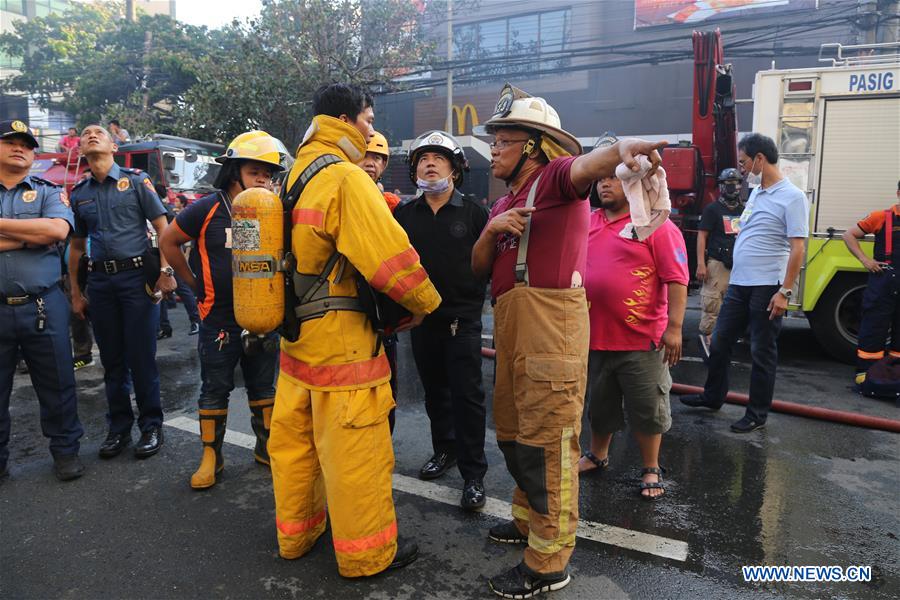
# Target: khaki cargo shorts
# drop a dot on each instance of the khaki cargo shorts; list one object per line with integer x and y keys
{"x": 635, "y": 384}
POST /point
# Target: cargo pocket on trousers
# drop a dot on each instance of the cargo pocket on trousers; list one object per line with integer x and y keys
{"x": 364, "y": 408}
{"x": 560, "y": 372}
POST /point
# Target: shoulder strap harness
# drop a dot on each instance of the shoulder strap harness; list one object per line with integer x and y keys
{"x": 522, "y": 256}
{"x": 307, "y": 296}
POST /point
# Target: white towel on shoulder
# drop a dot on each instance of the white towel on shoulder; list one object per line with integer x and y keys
{"x": 648, "y": 199}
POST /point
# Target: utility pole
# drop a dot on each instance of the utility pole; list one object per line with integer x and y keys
{"x": 148, "y": 42}
{"x": 129, "y": 10}
{"x": 867, "y": 21}
{"x": 449, "y": 68}
{"x": 890, "y": 17}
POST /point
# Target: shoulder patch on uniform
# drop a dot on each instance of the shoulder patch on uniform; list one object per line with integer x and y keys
{"x": 64, "y": 198}
{"x": 45, "y": 181}
{"x": 149, "y": 184}
{"x": 123, "y": 184}
{"x": 29, "y": 196}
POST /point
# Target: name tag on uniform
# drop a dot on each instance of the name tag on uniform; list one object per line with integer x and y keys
{"x": 228, "y": 237}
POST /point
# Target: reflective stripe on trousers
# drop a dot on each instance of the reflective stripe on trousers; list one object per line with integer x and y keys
{"x": 542, "y": 339}
{"x": 335, "y": 445}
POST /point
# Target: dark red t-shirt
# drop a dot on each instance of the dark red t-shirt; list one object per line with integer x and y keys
{"x": 557, "y": 246}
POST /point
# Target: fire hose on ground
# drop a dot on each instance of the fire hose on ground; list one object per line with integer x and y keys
{"x": 790, "y": 408}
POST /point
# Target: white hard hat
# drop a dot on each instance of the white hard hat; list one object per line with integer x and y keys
{"x": 528, "y": 113}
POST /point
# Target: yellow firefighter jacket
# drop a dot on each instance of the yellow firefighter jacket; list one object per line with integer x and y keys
{"x": 342, "y": 208}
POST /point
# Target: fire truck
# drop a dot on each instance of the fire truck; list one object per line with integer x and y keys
{"x": 838, "y": 131}
{"x": 180, "y": 168}
{"x": 837, "y": 127}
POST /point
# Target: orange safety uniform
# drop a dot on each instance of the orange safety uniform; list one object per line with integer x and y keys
{"x": 329, "y": 432}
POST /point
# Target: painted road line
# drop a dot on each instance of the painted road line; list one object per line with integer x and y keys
{"x": 598, "y": 532}
{"x": 588, "y": 530}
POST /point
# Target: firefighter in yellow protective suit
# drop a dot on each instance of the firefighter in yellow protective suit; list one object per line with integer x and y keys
{"x": 329, "y": 431}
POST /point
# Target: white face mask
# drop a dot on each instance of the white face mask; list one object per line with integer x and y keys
{"x": 434, "y": 187}
{"x": 754, "y": 180}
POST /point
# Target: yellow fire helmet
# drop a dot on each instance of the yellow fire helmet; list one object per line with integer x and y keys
{"x": 256, "y": 145}
{"x": 378, "y": 144}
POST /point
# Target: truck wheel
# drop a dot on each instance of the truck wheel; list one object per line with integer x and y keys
{"x": 835, "y": 321}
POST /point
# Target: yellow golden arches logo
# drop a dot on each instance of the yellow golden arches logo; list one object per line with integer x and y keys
{"x": 19, "y": 126}
{"x": 461, "y": 114}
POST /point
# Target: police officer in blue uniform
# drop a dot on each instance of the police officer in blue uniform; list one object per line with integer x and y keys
{"x": 34, "y": 313}
{"x": 112, "y": 206}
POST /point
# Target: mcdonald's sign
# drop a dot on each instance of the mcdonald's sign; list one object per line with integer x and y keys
{"x": 460, "y": 114}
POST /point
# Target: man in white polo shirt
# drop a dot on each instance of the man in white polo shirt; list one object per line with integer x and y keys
{"x": 768, "y": 255}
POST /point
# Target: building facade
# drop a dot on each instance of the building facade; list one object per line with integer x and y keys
{"x": 623, "y": 66}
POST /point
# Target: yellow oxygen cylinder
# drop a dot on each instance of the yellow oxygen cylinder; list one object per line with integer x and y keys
{"x": 256, "y": 251}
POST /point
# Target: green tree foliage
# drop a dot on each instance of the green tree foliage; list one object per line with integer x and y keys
{"x": 93, "y": 64}
{"x": 267, "y": 69}
{"x": 159, "y": 75}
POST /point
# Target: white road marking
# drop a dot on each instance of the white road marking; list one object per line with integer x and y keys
{"x": 598, "y": 532}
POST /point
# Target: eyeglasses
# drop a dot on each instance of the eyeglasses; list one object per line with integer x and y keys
{"x": 501, "y": 144}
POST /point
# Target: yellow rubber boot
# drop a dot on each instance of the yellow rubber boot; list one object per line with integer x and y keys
{"x": 212, "y": 433}
{"x": 260, "y": 421}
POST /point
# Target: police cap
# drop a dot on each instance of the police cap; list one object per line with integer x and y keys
{"x": 15, "y": 127}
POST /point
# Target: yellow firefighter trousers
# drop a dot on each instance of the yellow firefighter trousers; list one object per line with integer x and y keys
{"x": 542, "y": 338}
{"x": 334, "y": 445}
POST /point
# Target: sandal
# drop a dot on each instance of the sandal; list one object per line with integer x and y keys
{"x": 601, "y": 465}
{"x": 652, "y": 485}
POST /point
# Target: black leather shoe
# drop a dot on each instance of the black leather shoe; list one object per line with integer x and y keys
{"x": 150, "y": 443}
{"x": 164, "y": 333}
{"x": 436, "y": 466}
{"x": 697, "y": 401}
{"x": 407, "y": 552}
{"x": 746, "y": 425}
{"x": 67, "y": 467}
{"x": 473, "y": 496}
{"x": 114, "y": 444}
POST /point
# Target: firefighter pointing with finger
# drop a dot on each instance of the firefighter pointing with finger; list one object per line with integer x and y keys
{"x": 535, "y": 248}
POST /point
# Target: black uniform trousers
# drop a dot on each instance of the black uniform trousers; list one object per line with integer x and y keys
{"x": 450, "y": 369}
{"x": 880, "y": 319}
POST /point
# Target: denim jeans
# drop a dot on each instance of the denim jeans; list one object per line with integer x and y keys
{"x": 745, "y": 305}
{"x": 217, "y": 364}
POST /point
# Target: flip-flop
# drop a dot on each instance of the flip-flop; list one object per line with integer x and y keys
{"x": 652, "y": 485}
{"x": 600, "y": 465}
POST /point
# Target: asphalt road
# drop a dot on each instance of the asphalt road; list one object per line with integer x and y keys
{"x": 799, "y": 492}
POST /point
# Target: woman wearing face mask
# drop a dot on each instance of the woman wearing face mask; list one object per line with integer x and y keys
{"x": 443, "y": 226}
